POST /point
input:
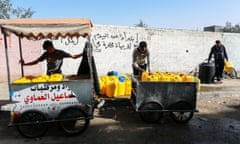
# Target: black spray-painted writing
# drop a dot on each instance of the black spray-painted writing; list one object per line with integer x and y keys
{"x": 103, "y": 41}
{"x": 67, "y": 41}
{"x": 122, "y": 41}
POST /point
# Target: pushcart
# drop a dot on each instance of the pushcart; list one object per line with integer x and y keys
{"x": 69, "y": 102}
{"x": 152, "y": 98}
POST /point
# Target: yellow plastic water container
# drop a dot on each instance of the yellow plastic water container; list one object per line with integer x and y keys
{"x": 112, "y": 86}
{"x": 198, "y": 83}
{"x": 188, "y": 78}
{"x": 23, "y": 80}
{"x": 160, "y": 76}
{"x": 103, "y": 84}
{"x": 41, "y": 78}
{"x": 176, "y": 78}
{"x": 128, "y": 86}
{"x": 166, "y": 78}
{"x": 152, "y": 77}
{"x": 56, "y": 77}
{"x": 121, "y": 85}
{"x": 121, "y": 88}
{"x": 144, "y": 76}
{"x": 228, "y": 66}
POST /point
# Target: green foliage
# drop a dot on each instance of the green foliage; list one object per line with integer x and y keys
{"x": 8, "y": 11}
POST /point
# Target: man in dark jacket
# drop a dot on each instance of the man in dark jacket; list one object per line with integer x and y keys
{"x": 219, "y": 53}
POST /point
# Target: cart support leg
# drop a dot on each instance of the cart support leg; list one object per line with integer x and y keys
{"x": 21, "y": 57}
{"x": 7, "y": 60}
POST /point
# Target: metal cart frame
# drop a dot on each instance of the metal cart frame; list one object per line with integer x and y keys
{"x": 151, "y": 99}
{"x": 34, "y": 105}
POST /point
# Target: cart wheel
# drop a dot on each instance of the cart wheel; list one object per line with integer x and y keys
{"x": 151, "y": 116}
{"x": 181, "y": 117}
{"x": 75, "y": 126}
{"x": 233, "y": 75}
{"x": 30, "y": 125}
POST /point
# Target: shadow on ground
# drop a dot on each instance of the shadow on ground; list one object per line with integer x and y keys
{"x": 117, "y": 122}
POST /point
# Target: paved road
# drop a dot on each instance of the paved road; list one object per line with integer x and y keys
{"x": 217, "y": 122}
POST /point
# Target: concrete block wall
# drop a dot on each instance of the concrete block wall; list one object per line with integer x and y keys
{"x": 171, "y": 50}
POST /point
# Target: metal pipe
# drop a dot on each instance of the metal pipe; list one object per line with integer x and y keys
{"x": 21, "y": 57}
{"x": 7, "y": 59}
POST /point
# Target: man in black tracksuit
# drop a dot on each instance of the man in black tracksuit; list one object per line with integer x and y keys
{"x": 220, "y": 54}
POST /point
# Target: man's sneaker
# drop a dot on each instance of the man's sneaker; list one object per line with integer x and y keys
{"x": 101, "y": 103}
{"x": 218, "y": 82}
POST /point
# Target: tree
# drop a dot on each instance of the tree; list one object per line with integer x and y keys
{"x": 141, "y": 24}
{"x": 7, "y": 10}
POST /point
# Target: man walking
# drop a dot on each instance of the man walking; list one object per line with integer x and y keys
{"x": 220, "y": 54}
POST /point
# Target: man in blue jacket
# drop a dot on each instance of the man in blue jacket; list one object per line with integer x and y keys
{"x": 219, "y": 53}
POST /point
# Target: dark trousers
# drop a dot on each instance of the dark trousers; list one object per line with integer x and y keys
{"x": 137, "y": 72}
{"x": 219, "y": 65}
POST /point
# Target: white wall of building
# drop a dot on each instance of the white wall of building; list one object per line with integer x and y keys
{"x": 171, "y": 50}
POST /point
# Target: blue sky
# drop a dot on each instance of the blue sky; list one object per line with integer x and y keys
{"x": 179, "y": 14}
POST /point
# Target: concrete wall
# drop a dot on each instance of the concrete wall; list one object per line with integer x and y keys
{"x": 171, "y": 50}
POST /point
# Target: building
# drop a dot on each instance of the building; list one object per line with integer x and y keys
{"x": 214, "y": 28}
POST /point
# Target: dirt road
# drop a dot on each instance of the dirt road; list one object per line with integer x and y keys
{"x": 217, "y": 122}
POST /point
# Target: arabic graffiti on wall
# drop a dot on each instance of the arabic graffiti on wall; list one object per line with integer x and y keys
{"x": 121, "y": 41}
{"x": 71, "y": 42}
{"x": 103, "y": 41}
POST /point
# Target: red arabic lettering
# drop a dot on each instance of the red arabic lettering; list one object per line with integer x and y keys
{"x": 46, "y": 96}
{"x": 57, "y": 97}
{"x": 30, "y": 99}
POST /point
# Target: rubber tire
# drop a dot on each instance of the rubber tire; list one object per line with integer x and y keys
{"x": 69, "y": 126}
{"x": 181, "y": 117}
{"x": 32, "y": 130}
{"x": 232, "y": 75}
{"x": 151, "y": 117}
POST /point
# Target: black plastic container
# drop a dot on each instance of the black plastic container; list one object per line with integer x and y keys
{"x": 206, "y": 72}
